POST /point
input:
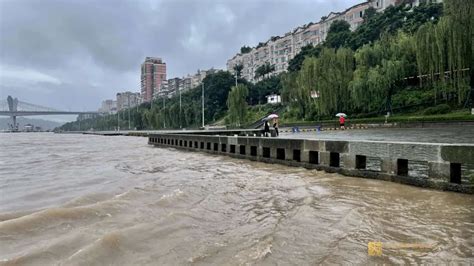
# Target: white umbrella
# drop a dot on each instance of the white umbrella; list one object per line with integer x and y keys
{"x": 272, "y": 116}
{"x": 341, "y": 114}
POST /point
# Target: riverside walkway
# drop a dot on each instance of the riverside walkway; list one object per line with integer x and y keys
{"x": 453, "y": 134}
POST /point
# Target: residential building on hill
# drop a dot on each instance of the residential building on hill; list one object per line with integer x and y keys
{"x": 278, "y": 50}
{"x": 172, "y": 87}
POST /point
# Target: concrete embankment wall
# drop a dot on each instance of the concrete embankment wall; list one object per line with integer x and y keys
{"x": 392, "y": 161}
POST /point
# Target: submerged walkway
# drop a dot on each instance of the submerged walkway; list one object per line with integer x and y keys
{"x": 457, "y": 134}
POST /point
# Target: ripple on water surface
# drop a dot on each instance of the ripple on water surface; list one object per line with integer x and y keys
{"x": 116, "y": 200}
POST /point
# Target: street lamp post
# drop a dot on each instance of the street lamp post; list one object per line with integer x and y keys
{"x": 164, "y": 118}
{"x": 202, "y": 104}
{"x": 128, "y": 111}
{"x": 180, "y": 125}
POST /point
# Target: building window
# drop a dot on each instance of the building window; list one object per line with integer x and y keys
{"x": 360, "y": 14}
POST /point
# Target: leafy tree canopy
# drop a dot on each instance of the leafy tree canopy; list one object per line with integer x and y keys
{"x": 245, "y": 49}
{"x": 338, "y": 35}
{"x": 295, "y": 63}
{"x": 238, "y": 69}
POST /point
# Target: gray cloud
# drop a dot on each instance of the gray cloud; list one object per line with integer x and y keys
{"x": 72, "y": 54}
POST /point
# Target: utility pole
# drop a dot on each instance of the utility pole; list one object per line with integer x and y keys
{"x": 236, "y": 78}
{"x": 128, "y": 111}
{"x": 180, "y": 125}
{"x": 202, "y": 83}
{"x": 118, "y": 123}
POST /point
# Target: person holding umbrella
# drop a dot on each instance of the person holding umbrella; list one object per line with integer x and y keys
{"x": 342, "y": 120}
{"x": 275, "y": 122}
{"x": 266, "y": 128}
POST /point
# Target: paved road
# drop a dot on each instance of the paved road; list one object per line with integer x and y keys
{"x": 459, "y": 134}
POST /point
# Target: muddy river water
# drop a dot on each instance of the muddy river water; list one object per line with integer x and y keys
{"x": 93, "y": 200}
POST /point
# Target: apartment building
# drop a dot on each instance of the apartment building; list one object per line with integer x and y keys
{"x": 153, "y": 74}
{"x": 108, "y": 107}
{"x": 187, "y": 83}
{"x": 197, "y": 78}
{"x": 174, "y": 86}
{"x": 127, "y": 100}
{"x": 418, "y": 2}
{"x": 278, "y": 50}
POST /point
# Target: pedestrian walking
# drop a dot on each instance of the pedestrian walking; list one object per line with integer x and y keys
{"x": 342, "y": 120}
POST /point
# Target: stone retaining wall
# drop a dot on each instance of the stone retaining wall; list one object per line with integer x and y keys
{"x": 391, "y": 161}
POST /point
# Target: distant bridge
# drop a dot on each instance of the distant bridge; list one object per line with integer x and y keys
{"x": 13, "y": 108}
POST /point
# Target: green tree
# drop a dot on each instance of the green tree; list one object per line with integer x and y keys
{"x": 264, "y": 70}
{"x": 245, "y": 49}
{"x": 380, "y": 68}
{"x": 306, "y": 82}
{"x": 238, "y": 69}
{"x": 306, "y": 51}
{"x": 448, "y": 47}
{"x": 369, "y": 13}
{"x": 338, "y": 35}
{"x": 237, "y": 105}
{"x": 333, "y": 73}
{"x": 262, "y": 88}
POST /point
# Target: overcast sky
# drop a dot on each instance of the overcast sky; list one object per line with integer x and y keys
{"x": 72, "y": 54}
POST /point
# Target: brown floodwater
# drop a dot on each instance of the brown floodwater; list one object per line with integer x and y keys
{"x": 92, "y": 200}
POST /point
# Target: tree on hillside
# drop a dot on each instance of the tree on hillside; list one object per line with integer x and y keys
{"x": 238, "y": 69}
{"x": 369, "y": 13}
{"x": 259, "y": 90}
{"x": 420, "y": 15}
{"x": 334, "y": 71}
{"x": 216, "y": 90}
{"x": 245, "y": 49}
{"x": 391, "y": 20}
{"x": 288, "y": 85}
{"x": 338, "y": 35}
{"x": 306, "y": 82}
{"x": 306, "y": 51}
{"x": 237, "y": 105}
{"x": 263, "y": 70}
{"x": 380, "y": 68}
{"x": 449, "y": 47}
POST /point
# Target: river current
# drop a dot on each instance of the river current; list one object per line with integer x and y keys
{"x": 93, "y": 200}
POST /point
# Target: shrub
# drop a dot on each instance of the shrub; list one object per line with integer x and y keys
{"x": 439, "y": 109}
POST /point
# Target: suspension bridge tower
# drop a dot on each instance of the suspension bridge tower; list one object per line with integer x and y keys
{"x": 13, "y": 107}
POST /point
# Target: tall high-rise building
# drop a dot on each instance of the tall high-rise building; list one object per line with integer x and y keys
{"x": 152, "y": 77}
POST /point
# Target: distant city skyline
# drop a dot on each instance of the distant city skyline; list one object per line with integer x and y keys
{"x": 75, "y": 54}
